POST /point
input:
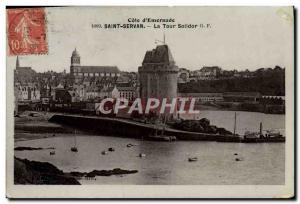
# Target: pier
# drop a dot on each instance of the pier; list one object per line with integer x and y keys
{"x": 125, "y": 128}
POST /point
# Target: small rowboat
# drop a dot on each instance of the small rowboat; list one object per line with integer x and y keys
{"x": 193, "y": 159}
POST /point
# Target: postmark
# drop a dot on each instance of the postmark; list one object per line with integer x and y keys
{"x": 26, "y": 31}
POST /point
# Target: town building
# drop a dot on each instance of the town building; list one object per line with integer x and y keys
{"x": 241, "y": 96}
{"x": 23, "y": 75}
{"x": 95, "y": 73}
{"x": 209, "y": 73}
{"x": 183, "y": 75}
{"x": 27, "y": 93}
{"x": 127, "y": 92}
{"x": 109, "y": 92}
{"x": 204, "y": 97}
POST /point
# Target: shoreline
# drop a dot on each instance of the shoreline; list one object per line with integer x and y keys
{"x": 40, "y": 127}
{"x": 236, "y": 107}
{"x": 28, "y": 127}
{"x": 27, "y": 172}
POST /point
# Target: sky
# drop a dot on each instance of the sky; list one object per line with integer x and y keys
{"x": 238, "y": 38}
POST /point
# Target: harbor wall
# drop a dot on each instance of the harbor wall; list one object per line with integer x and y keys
{"x": 124, "y": 128}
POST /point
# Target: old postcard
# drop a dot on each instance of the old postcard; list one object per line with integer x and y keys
{"x": 150, "y": 102}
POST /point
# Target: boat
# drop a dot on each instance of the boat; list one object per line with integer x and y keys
{"x": 142, "y": 155}
{"x": 230, "y": 138}
{"x": 193, "y": 159}
{"x": 74, "y": 148}
{"x": 259, "y": 137}
{"x": 162, "y": 137}
{"x": 104, "y": 152}
{"x": 131, "y": 145}
{"x": 251, "y": 137}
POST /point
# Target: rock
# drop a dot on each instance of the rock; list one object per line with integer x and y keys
{"x": 201, "y": 126}
{"x": 204, "y": 122}
{"x": 34, "y": 172}
{"x": 116, "y": 171}
{"x": 223, "y": 131}
{"x": 94, "y": 173}
{"x": 211, "y": 129}
{"x": 77, "y": 174}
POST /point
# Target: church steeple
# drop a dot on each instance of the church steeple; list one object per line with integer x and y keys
{"x": 17, "y": 62}
{"x": 75, "y": 58}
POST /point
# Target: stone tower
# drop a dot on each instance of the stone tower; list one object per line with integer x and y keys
{"x": 75, "y": 64}
{"x": 158, "y": 74}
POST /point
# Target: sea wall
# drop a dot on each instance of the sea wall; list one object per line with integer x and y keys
{"x": 124, "y": 128}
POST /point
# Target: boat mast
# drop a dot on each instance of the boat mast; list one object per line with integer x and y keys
{"x": 164, "y": 126}
{"x": 260, "y": 128}
{"x": 75, "y": 139}
{"x": 234, "y": 124}
{"x": 156, "y": 125}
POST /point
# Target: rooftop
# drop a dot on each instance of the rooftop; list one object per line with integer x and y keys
{"x": 161, "y": 54}
{"x": 100, "y": 69}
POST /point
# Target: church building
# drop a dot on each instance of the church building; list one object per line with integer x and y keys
{"x": 96, "y": 73}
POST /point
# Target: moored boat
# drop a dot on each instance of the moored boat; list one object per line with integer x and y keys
{"x": 74, "y": 148}
{"x": 193, "y": 159}
{"x": 104, "y": 152}
{"x": 259, "y": 137}
{"x": 161, "y": 138}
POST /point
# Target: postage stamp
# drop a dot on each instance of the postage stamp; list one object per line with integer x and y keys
{"x": 26, "y": 31}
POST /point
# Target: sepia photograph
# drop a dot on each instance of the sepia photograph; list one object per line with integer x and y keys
{"x": 183, "y": 102}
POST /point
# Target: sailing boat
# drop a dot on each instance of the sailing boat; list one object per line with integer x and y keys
{"x": 74, "y": 148}
{"x": 230, "y": 138}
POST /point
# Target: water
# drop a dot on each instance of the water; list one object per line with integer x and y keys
{"x": 167, "y": 163}
{"x": 245, "y": 121}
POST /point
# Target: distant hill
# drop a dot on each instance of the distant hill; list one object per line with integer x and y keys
{"x": 266, "y": 81}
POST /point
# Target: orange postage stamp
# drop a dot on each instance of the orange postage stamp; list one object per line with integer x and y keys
{"x": 26, "y": 31}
